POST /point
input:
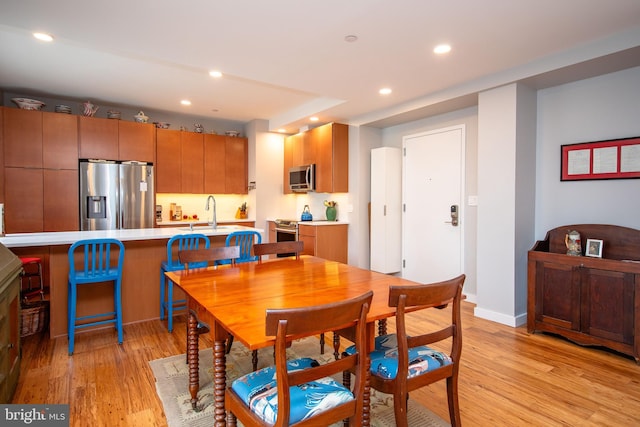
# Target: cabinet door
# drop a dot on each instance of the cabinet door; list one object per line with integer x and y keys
{"x": 607, "y": 304}
{"x": 136, "y": 141}
{"x": 23, "y": 200}
{"x": 192, "y": 162}
{"x": 386, "y": 210}
{"x": 214, "y": 164}
{"x": 331, "y": 242}
{"x": 61, "y": 203}
{"x": 307, "y": 234}
{"x": 272, "y": 231}
{"x": 168, "y": 161}
{"x": 236, "y": 166}
{"x": 98, "y": 138}
{"x": 332, "y": 158}
{"x": 59, "y": 141}
{"x": 22, "y": 135}
{"x": 558, "y": 295}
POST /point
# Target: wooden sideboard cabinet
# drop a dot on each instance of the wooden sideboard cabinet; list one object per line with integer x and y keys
{"x": 588, "y": 300}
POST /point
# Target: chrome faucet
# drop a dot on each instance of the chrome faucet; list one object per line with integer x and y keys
{"x": 214, "y": 220}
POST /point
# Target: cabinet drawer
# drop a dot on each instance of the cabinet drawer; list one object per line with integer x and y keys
{"x": 307, "y": 230}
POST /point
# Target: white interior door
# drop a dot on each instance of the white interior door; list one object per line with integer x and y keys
{"x": 433, "y": 179}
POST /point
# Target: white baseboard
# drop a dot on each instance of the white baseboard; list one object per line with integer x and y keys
{"x": 513, "y": 321}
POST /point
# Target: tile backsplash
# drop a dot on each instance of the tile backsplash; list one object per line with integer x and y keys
{"x": 226, "y": 205}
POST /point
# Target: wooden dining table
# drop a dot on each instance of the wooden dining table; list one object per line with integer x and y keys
{"x": 232, "y": 300}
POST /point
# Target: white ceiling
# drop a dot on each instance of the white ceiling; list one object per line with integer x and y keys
{"x": 284, "y": 60}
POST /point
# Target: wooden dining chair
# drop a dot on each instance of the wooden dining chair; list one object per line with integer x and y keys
{"x": 199, "y": 258}
{"x": 401, "y": 363}
{"x": 278, "y": 248}
{"x": 302, "y": 392}
{"x": 208, "y": 256}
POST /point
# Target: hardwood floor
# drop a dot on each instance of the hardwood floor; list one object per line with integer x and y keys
{"x": 507, "y": 377}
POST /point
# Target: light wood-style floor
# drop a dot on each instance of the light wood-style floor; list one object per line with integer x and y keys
{"x": 507, "y": 377}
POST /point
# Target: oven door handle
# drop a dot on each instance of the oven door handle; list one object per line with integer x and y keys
{"x": 286, "y": 230}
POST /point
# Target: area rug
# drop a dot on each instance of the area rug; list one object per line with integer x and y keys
{"x": 172, "y": 385}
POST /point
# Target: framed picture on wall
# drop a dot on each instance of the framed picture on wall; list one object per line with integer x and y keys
{"x": 612, "y": 159}
{"x": 594, "y": 248}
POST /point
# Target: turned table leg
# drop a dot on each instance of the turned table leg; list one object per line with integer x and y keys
{"x": 192, "y": 358}
{"x": 219, "y": 381}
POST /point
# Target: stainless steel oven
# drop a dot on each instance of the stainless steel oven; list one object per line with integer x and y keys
{"x": 286, "y": 231}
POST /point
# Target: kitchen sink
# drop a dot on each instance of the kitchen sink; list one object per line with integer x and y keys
{"x": 209, "y": 227}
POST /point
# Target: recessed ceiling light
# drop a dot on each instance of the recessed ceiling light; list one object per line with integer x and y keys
{"x": 313, "y": 119}
{"x": 215, "y": 73}
{"x": 384, "y": 91}
{"x": 282, "y": 130}
{"x": 442, "y": 48}
{"x": 185, "y": 102}
{"x": 350, "y": 38}
{"x": 43, "y": 37}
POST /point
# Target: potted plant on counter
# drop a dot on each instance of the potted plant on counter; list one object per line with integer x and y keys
{"x": 331, "y": 210}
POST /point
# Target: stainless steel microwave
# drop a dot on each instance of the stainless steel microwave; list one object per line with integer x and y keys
{"x": 302, "y": 178}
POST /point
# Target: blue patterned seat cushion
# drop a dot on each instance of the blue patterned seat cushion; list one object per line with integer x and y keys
{"x": 384, "y": 358}
{"x": 259, "y": 391}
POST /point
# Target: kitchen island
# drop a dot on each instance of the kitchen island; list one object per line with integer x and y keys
{"x": 145, "y": 249}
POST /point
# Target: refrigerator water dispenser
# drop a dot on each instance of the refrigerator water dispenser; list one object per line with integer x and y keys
{"x": 96, "y": 207}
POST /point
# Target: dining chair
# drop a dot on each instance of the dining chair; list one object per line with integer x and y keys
{"x": 94, "y": 261}
{"x": 177, "y": 243}
{"x": 244, "y": 239}
{"x": 401, "y": 363}
{"x": 198, "y": 258}
{"x": 278, "y": 248}
{"x": 288, "y": 248}
{"x": 301, "y": 391}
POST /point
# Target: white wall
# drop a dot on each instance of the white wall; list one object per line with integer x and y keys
{"x": 600, "y": 108}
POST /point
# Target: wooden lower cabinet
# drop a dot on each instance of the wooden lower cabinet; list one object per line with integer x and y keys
{"x": 591, "y": 301}
{"x": 325, "y": 241}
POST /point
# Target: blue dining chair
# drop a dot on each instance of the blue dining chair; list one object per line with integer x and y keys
{"x": 244, "y": 239}
{"x": 95, "y": 261}
{"x": 179, "y": 242}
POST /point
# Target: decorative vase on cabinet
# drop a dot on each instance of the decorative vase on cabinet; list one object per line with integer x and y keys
{"x": 331, "y": 213}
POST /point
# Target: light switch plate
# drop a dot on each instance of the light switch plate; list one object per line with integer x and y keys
{"x": 473, "y": 201}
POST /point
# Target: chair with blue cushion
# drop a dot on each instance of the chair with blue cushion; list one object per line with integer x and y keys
{"x": 177, "y": 243}
{"x": 245, "y": 240}
{"x": 401, "y": 363}
{"x": 94, "y": 261}
{"x": 302, "y": 390}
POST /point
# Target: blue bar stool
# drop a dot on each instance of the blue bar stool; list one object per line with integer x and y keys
{"x": 101, "y": 261}
{"x": 180, "y": 242}
{"x": 245, "y": 240}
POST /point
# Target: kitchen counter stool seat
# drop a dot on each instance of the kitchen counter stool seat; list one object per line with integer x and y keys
{"x": 95, "y": 261}
{"x": 179, "y": 242}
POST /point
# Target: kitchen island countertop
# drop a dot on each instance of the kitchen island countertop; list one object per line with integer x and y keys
{"x": 18, "y": 240}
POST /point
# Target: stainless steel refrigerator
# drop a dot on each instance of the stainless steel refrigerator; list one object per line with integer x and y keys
{"x": 116, "y": 195}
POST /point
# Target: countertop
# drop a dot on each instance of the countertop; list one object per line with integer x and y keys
{"x": 318, "y": 222}
{"x": 68, "y": 237}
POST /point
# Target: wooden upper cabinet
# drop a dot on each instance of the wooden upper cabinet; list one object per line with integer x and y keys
{"x": 328, "y": 147}
{"x": 214, "y": 164}
{"x": 22, "y": 135}
{"x": 192, "y": 162}
{"x": 1, "y": 154}
{"x": 288, "y": 163}
{"x": 61, "y": 200}
{"x": 59, "y": 141}
{"x": 168, "y": 168}
{"x": 136, "y": 141}
{"x": 236, "y": 165}
{"x": 332, "y": 158}
{"x": 98, "y": 138}
{"x": 23, "y": 200}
